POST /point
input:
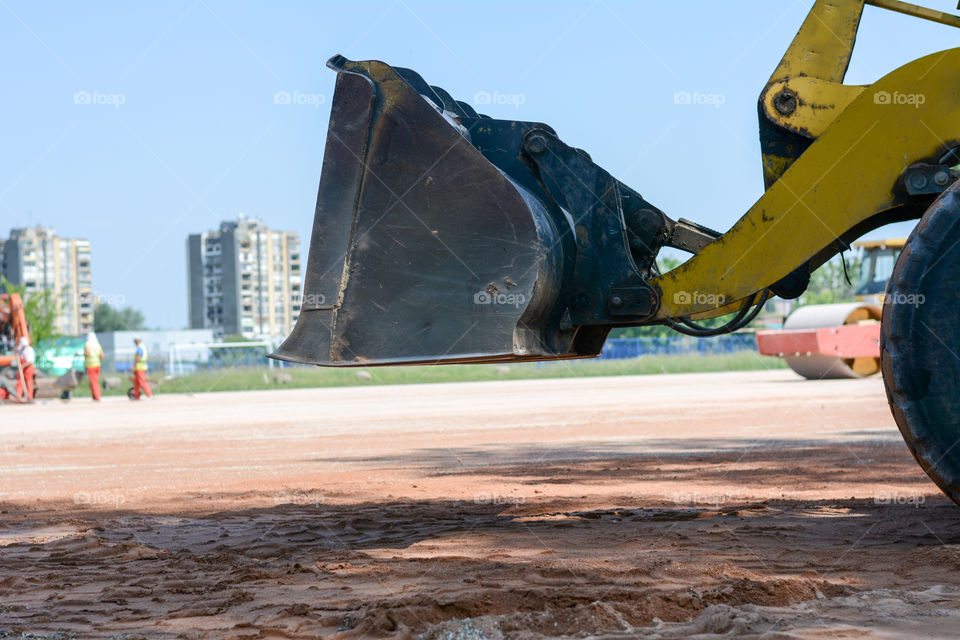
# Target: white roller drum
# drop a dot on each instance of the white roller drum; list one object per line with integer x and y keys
{"x": 818, "y": 366}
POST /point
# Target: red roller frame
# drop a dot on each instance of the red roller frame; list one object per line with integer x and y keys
{"x": 846, "y": 341}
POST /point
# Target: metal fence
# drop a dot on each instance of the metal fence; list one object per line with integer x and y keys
{"x": 618, "y": 348}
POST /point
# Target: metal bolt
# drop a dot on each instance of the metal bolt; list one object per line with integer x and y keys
{"x": 536, "y": 144}
{"x": 582, "y": 301}
{"x": 785, "y": 102}
{"x": 918, "y": 180}
{"x": 616, "y": 301}
{"x": 941, "y": 178}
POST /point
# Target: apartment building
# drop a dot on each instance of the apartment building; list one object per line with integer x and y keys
{"x": 244, "y": 279}
{"x": 39, "y": 259}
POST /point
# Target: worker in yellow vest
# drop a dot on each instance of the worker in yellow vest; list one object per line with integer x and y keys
{"x": 92, "y": 355}
{"x": 140, "y": 367}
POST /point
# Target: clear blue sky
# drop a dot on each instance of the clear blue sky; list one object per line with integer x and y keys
{"x": 199, "y": 138}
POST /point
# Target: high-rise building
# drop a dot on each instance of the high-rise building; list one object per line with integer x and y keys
{"x": 38, "y": 259}
{"x": 244, "y": 279}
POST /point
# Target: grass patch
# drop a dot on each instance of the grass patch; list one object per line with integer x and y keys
{"x": 252, "y": 378}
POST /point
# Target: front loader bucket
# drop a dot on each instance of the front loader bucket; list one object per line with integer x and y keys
{"x": 423, "y": 250}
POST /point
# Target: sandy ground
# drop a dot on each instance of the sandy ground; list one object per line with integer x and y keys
{"x": 703, "y": 505}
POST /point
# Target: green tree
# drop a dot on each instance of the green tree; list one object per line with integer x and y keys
{"x": 828, "y": 284}
{"x": 106, "y": 319}
{"x": 41, "y": 309}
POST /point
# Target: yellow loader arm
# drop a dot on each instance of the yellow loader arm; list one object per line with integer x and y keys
{"x": 834, "y": 160}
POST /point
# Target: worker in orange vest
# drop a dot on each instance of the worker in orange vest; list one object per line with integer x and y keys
{"x": 92, "y": 356}
{"x": 28, "y": 358}
{"x": 140, "y": 367}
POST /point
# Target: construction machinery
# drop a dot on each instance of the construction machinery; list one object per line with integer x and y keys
{"x": 821, "y": 341}
{"x": 13, "y": 327}
{"x": 446, "y": 236}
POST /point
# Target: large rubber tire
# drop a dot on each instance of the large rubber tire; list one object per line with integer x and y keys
{"x": 920, "y": 342}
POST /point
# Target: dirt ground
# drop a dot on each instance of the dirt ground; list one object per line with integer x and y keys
{"x": 702, "y": 505}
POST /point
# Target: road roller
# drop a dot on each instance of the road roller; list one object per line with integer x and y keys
{"x": 443, "y": 236}
{"x": 823, "y": 341}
